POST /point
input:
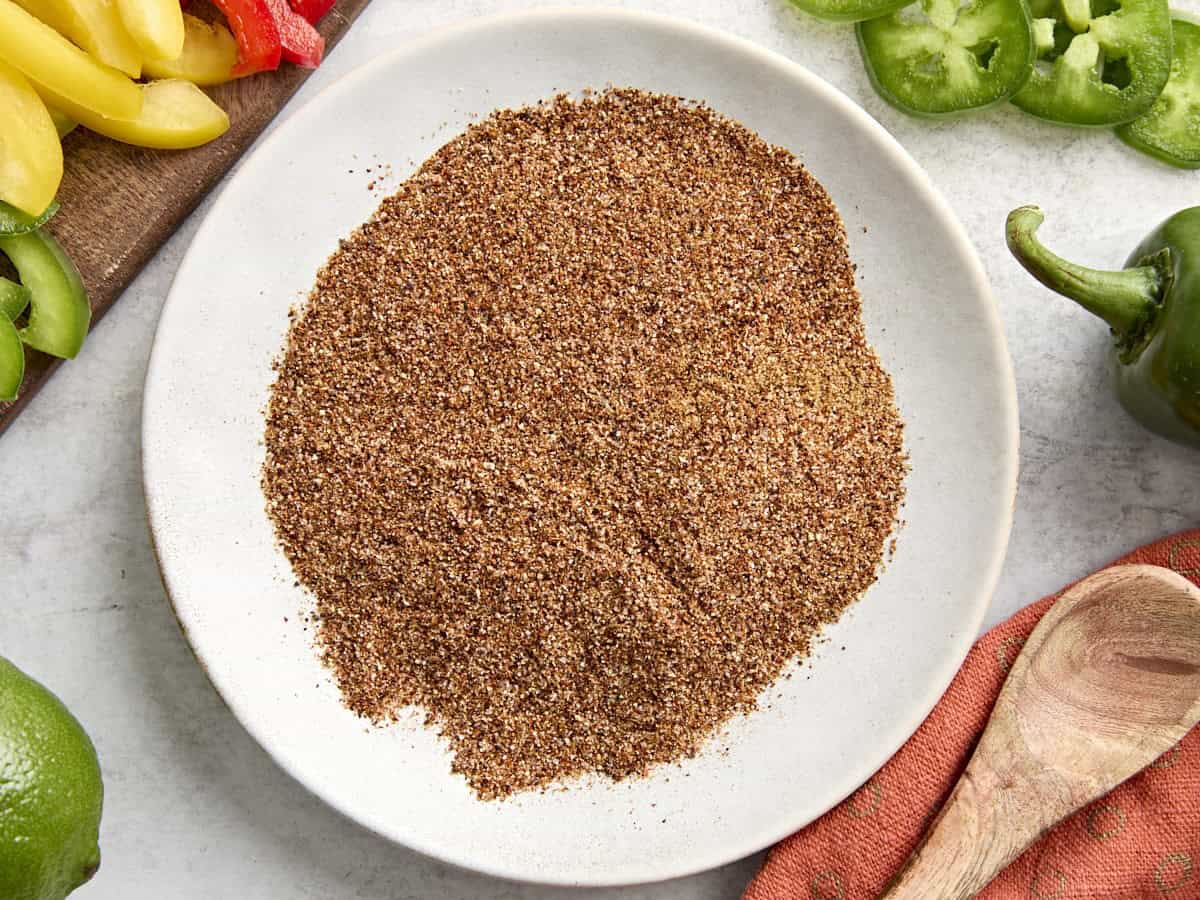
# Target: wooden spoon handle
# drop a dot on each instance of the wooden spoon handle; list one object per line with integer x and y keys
{"x": 969, "y": 843}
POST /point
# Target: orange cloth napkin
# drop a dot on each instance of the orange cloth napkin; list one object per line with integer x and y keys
{"x": 1142, "y": 840}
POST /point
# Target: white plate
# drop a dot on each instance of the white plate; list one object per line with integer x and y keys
{"x": 928, "y": 312}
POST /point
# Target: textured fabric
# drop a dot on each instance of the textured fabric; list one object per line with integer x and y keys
{"x": 1142, "y": 840}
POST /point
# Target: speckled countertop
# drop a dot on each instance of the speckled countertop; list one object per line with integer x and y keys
{"x": 196, "y": 810}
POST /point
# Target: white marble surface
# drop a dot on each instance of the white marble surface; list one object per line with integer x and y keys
{"x": 195, "y": 809}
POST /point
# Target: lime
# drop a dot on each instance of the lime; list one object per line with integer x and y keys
{"x": 50, "y": 793}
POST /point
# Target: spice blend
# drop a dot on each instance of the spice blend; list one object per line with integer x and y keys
{"x": 579, "y": 441}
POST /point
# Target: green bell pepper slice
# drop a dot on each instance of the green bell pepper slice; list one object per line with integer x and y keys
{"x": 954, "y": 58}
{"x": 15, "y": 221}
{"x": 1170, "y": 131}
{"x": 1099, "y": 64}
{"x": 12, "y": 360}
{"x": 14, "y": 298}
{"x": 850, "y": 10}
{"x": 1153, "y": 309}
{"x": 59, "y": 313}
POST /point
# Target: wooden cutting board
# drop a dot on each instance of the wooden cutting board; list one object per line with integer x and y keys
{"x": 121, "y": 203}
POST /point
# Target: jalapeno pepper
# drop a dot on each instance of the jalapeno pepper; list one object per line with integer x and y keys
{"x": 1169, "y": 131}
{"x": 1107, "y": 63}
{"x": 59, "y": 313}
{"x": 12, "y": 360}
{"x": 14, "y": 298}
{"x": 837, "y": 10}
{"x": 13, "y": 221}
{"x": 958, "y": 58}
{"x": 1152, "y": 307}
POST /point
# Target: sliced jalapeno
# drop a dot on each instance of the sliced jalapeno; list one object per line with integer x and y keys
{"x": 1170, "y": 131}
{"x": 850, "y": 10}
{"x": 945, "y": 57}
{"x": 1099, "y": 63}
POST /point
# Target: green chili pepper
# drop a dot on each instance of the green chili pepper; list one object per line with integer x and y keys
{"x": 1152, "y": 307}
{"x": 1170, "y": 131}
{"x": 14, "y": 221}
{"x": 956, "y": 57}
{"x": 59, "y": 313}
{"x": 850, "y": 10}
{"x": 12, "y": 360}
{"x": 1099, "y": 63}
{"x": 13, "y": 300}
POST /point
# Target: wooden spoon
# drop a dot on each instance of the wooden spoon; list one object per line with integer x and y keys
{"x": 1108, "y": 682}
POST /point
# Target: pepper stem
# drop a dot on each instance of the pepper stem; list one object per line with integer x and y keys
{"x": 1126, "y": 300}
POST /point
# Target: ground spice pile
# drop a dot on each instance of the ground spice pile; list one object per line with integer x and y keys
{"x": 579, "y": 441}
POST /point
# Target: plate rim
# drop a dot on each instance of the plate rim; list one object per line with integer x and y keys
{"x": 776, "y": 827}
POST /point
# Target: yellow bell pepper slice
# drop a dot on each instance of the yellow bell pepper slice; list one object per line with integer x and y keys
{"x": 49, "y": 11}
{"x": 95, "y": 25}
{"x": 208, "y": 57}
{"x": 63, "y": 123}
{"x": 51, "y": 61}
{"x": 175, "y": 115}
{"x": 156, "y": 26}
{"x": 31, "y": 162}
{"x": 99, "y": 30}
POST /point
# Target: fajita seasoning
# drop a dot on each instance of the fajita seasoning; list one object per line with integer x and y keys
{"x": 579, "y": 441}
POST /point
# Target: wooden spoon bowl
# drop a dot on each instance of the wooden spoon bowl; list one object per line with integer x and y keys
{"x": 1107, "y": 682}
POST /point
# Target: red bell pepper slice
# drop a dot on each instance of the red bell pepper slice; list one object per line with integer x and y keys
{"x": 302, "y": 44}
{"x": 312, "y": 10}
{"x": 259, "y": 44}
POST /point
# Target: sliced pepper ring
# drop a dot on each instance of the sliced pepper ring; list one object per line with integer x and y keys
{"x": 951, "y": 59}
{"x": 1102, "y": 65}
{"x": 1170, "y": 131}
{"x": 849, "y": 10}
